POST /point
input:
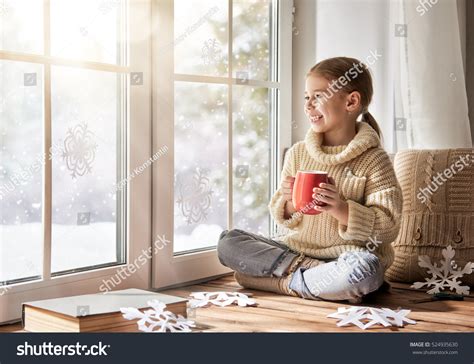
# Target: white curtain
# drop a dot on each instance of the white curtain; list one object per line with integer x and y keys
{"x": 419, "y": 84}
{"x": 355, "y": 29}
{"x": 432, "y": 81}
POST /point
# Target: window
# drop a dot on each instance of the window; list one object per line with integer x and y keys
{"x": 66, "y": 98}
{"x": 221, "y": 93}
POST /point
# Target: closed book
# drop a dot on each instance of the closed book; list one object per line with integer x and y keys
{"x": 93, "y": 312}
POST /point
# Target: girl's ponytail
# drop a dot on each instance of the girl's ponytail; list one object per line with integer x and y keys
{"x": 369, "y": 119}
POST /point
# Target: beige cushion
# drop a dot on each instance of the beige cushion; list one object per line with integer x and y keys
{"x": 438, "y": 210}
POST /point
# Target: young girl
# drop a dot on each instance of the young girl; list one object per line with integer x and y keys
{"x": 343, "y": 252}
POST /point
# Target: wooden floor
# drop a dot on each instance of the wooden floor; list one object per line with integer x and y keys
{"x": 276, "y": 313}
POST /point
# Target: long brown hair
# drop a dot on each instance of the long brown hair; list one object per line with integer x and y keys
{"x": 337, "y": 67}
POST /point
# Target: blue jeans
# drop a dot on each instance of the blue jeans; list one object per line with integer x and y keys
{"x": 351, "y": 276}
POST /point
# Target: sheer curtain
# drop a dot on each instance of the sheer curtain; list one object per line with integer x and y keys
{"x": 355, "y": 29}
{"x": 432, "y": 79}
{"x": 419, "y": 81}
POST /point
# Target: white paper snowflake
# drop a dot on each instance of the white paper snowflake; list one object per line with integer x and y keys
{"x": 79, "y": 150}
{"x": 158, "y": 318}
{"x": 444, "y": 276}
{"x": 366, "y": 317}
{"x": 3, "y": 8}
{"x": 211, "y": 52}
{"x": 194, "y": 196}
{"x": 202, "y": 299}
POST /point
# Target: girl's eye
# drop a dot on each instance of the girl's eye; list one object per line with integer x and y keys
{"x": 306, "y": 98}
{"x": 318, "y": 96}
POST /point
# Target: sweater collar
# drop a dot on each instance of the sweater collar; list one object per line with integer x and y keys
{"x": 365, "y": 138}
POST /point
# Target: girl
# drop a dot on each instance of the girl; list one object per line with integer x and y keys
{"x": 343, "y": 252}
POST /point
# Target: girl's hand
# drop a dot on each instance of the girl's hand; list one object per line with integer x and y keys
{"x": 335, "y": 206}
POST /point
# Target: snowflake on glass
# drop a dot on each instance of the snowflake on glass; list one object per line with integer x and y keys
{"x": 3, "y": 8}
{"x": 106, "y": 6}
{"x": 157, "y": 319}
{"x": 201, "y": 299}
{"x": 366, "y": 317}
{"x": 211, "y": 52}
{"x": 79, "y": 150}
{"x": 194, "y": 196}
{"x": 444, "y": 276}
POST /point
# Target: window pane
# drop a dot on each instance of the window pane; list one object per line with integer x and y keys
{"x": 85, "y": 29}
{"x": 251, "y": 31}
{"x": 85, "y": 127}
{"x": 21, "y": 170}
{"x": 21, "y": 25}
{"x": 200, "y": 37}
{"x": 200, "y": 210}
{"x": 251, "y": 159}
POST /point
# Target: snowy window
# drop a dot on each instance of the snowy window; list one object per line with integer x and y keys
{"x": 61, "y": 141}
{"x": 225, "y": 98}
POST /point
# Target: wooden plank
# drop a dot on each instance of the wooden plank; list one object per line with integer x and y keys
{"x": 283, "y": 312}
{"x": 11, "y": 328}
{"x": 280, "y": 313}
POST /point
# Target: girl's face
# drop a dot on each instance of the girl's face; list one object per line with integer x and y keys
{"x": 327, "y": 110}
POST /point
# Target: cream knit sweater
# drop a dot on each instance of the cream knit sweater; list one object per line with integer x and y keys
{"x": 365, "y": 178}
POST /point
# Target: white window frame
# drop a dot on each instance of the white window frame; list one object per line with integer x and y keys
{"x": 169, "y": 269}
{"x": 137, "y": 108}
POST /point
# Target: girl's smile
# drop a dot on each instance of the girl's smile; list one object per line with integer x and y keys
{"x": 315, "y": 118}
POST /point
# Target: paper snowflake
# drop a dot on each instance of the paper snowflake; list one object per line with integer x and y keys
{"x": 194, "y": 196}
{"x": 444, "y": 276}
{"x": 366, "y": 317}
{"x": 3, "y": 8}
{"x": 158, "y": 318}
{"x": 211, "y": 52}
{"x": 202, "y": 299}
{"x": 79, "y": 150}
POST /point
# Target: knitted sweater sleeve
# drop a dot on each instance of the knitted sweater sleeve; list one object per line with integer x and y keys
{"x": 379, "y": 217}
{"x": 277, "y": 202}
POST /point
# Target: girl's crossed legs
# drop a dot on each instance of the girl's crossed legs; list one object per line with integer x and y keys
{"x": 349, "y": 277}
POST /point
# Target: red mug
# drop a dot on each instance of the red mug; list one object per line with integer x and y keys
{"x": 302, "y": 196}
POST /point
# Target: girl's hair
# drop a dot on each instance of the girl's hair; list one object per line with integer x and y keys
{"x": 358, "y": 78}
